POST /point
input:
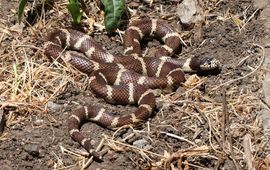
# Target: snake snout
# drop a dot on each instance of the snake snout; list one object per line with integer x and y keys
{"x": 209, "y": 63}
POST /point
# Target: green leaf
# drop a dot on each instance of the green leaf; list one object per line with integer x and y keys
{"x": 113, "y": 12}
{"x": 74, "y": 9}
{"x": 22, "y": 4}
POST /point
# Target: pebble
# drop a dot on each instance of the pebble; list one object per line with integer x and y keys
{"x": 133, "y": 4}
{"x": 53, "y": 106}
{"x": 37, "y": 121}
{"x": 189, "y": 12}
{"x": 32, "y": 149}
{"x": 140, "y": 143}
{"x": 198, "y": 141}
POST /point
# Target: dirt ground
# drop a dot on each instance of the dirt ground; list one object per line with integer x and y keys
{"x": 210, "y": 123}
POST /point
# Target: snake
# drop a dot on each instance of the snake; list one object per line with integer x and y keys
{"x": 130, "y": 78}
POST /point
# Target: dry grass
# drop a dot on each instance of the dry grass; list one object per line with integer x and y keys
{"x": 229, "y": 128}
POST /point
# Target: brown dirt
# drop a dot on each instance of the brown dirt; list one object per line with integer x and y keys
{"x": 188, "y": 127}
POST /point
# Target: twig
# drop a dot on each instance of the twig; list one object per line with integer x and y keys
{"x": 245, "y": 23}
{"x": 265, "y": 104}
{"x": 64, "y": 150}
{"x": 120, "y": 35}
{"x": 198, "y": 151}
{"x": 178, "y": 137}
{"x": 133, "y": 147}
{"x": 29, "y": 46}
{"x": 242, "y": 61}
{"x": 232, "y": 152}
{"x": 22, "y": 104}
{"x": 247, "y": 151}
{"x": 223, "y": 129}
{"x": 90, "y": 160}
{"x": 224, "y": 116}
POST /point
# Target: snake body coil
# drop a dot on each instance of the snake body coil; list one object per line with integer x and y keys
{"x": 127, "y": 79}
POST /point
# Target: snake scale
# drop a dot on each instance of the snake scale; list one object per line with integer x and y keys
{"x": 124, "y": 79}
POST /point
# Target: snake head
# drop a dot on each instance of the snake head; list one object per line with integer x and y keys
{"x": 209, "y": 63}
{"x": 202, "y": 64}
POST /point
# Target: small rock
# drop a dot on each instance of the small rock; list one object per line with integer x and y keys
{"x": 37, "y": 121}
{"x": 18, "y": 28}
{"x": 133, "y": 4}
{"x": 189, "y": 12}
{"x": 32, "y": 149}
{"x": 228, "y": 164}
{"x": 198, "y": 141}
{"x": 2, "y": 121}
{"x": 140, "y": 143}
{"x": 53, "y": 106}
{"x": 25, "y": 156}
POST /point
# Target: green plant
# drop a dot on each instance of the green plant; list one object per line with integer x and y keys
{"x": 114, "y": 10}
{"x": 113, "y": 13}
{"x": 75, "y": 11}
{"x": 22, "y": 4}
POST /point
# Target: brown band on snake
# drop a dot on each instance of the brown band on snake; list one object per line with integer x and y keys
{"x": 126, "y": 79}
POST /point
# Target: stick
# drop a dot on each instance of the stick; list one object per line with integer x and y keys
{"x": 247, "y": 151}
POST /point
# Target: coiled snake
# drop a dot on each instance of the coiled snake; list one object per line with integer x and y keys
{"x": 126, "y": 79}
